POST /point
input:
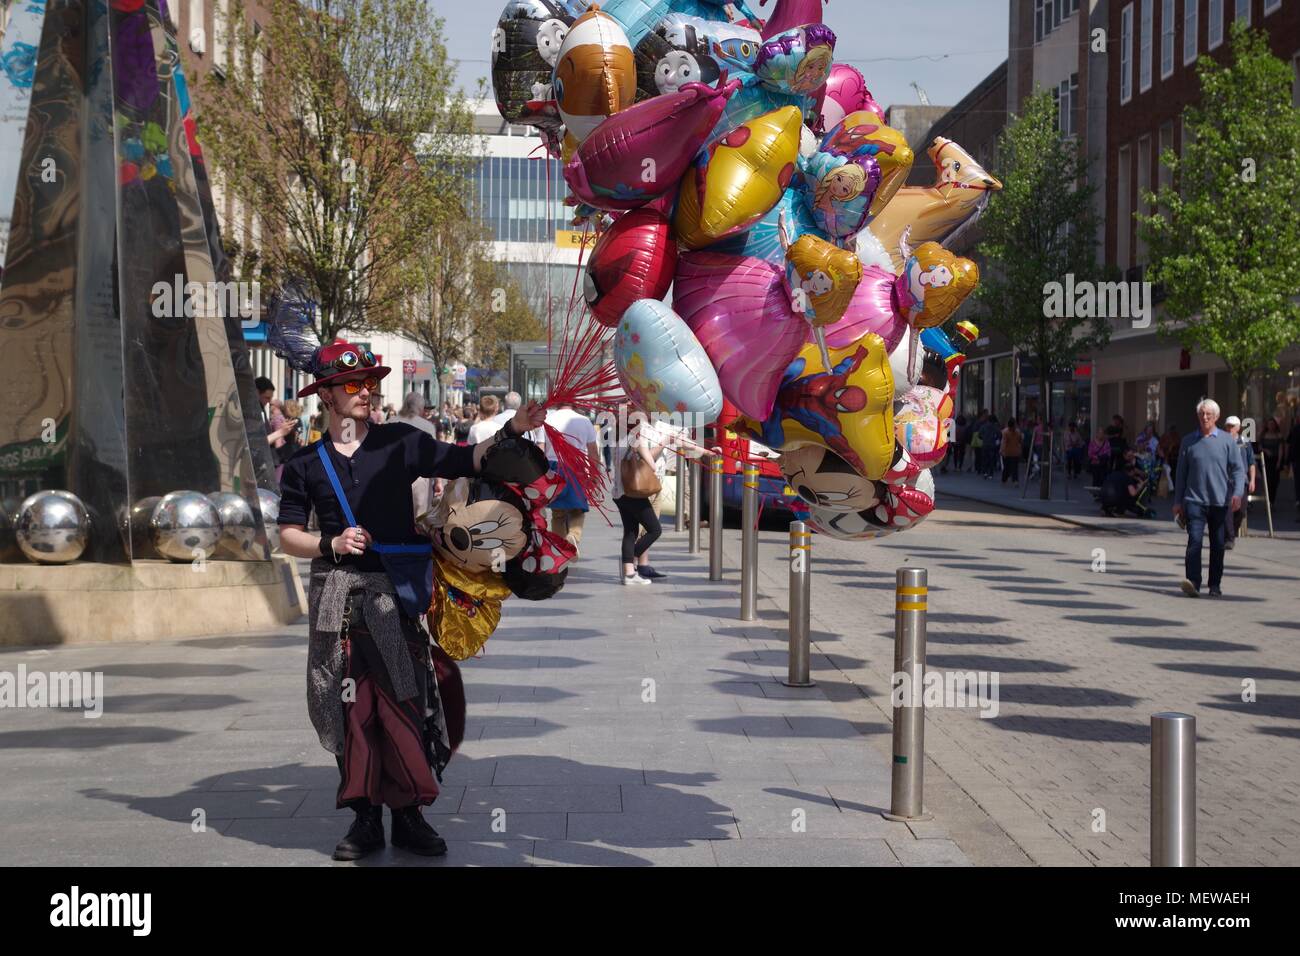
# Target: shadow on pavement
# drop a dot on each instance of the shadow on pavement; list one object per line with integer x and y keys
{"x": 1076, "y": 728}
{"x": 1185, "y": 644}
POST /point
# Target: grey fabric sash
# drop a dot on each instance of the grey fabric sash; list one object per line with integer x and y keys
{"x": 326, "y": 602}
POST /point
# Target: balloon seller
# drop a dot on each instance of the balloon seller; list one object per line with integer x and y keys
{"x": 383, "y": 697}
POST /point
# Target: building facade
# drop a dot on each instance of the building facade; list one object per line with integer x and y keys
{"x": 1152, "y": 79}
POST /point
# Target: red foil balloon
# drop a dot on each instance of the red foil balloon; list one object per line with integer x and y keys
{"x": 634, "y": 259}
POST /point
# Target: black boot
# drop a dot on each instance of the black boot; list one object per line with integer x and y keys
{"x": 412, "y": 832}
{"x": 364, "y": 836}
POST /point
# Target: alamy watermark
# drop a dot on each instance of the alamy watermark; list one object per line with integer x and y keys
{"x": 171, "y": 300}
{"x": 80, "y": 689}
{"x": 1098, "y": 300}
{"x": 951, "y": 689}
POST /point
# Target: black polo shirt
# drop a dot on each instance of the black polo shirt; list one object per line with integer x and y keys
{"x": 377, "y": 481}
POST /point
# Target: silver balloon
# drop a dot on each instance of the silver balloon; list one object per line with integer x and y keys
{"x": 238, "y": 526}
{"x": 53, "y": 527}
{"x": 139, "y": 528}
{"x": 185, "y": 525}
{"x": 270, "y": 502}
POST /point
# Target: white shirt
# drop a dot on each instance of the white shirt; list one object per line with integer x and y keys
{"x": 577, "y": 429}
{"x": 484, "y": 429}
{"x": 660, "y": 435}
{"x": 536, "y": 436}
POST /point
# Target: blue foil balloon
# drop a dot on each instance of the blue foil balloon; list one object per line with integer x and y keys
{"x": 662, "y": 365}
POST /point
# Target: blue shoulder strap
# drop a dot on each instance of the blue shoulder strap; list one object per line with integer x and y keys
{"x": 351, "y": 519}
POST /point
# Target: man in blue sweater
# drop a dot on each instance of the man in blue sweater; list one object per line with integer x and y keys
{"x": 1210, "y": 482}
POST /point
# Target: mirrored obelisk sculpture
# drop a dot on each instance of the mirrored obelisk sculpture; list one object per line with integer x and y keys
{"x": 113, "y": 392}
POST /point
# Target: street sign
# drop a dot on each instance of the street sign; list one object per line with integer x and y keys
{"x": 408, "y": 367}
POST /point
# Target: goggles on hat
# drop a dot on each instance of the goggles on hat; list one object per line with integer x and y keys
{"x": 350, "y": 360}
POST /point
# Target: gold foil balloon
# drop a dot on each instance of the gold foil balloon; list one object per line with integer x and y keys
{"x": 595, "y": 76}
{"x": 935, "y": 213}
{"x": 937, "y": 283}
{"x": 823, "y": 278}
{"x": 865, "y": 132}
{"x": 741, "y": 180}
{"x": 466, "y": 608}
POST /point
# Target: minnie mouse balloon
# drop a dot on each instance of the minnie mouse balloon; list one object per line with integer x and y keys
{"x": 661, "y": 364}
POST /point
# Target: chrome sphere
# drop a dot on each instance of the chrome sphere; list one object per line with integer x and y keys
{"x": 238, "y": 526}
{"x": 185, "y": 525}
{"x": 53, "y": 527}
{"x": 270, "y": 502}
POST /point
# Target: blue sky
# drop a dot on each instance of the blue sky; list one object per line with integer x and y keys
{"x": 947, "y": 46}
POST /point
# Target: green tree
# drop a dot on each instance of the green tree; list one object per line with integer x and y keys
{"x": 317, "y": 121}
{"x": 460, "y": 304}
{"x": 1223, "y": 240}
{"x": 1037, "y": 231}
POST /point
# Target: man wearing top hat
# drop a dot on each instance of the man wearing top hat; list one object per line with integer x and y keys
{"x": 373, "y": 678}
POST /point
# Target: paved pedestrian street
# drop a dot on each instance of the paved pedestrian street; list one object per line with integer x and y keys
{"x": 649, "y": 726}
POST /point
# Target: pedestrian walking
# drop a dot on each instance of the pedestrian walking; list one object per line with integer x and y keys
{"x": 1211, "y": 482}
{"x": 1270, "y": 455}
{"x": 569, "y": 509}
{"x": 383, "y": 698}
{"x": 1233, "y": 528}
{"x": 962, "y": 435}
{"x": 1075, "y": 450}
{"x": 635, "y": 474}
{"x": 1012, "y": 448}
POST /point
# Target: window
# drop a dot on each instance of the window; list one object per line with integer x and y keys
{"x": 259, "y": 63}
{"x": 1166, "y": 38}
{"x": 1216, "y": 24}
{"x": 1144, "y": 50}
{"x": 1123, "y": 209}
{"x": 1066, "y": 98}
{"x": 1271, "y": 5}
{"x": 220, "y": 30}
{"x": 1166, "y": 144}
{"x": 1126, "y": 54}
{"x": 1191, "y": 23}
{"x": 1243, "y": 10}
{"x": 1050, "y": 14}
{"x": 198, "y": 23}
{"x": 1143, "y": 185}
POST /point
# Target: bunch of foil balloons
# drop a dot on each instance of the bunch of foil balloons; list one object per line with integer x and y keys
{"x": 728, "y": 162}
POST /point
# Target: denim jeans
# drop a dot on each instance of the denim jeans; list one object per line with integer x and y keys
{"x": 1198, "y": 516}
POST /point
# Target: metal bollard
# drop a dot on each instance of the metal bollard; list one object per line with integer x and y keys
{"x": 715, "y": 517}
{"x": 910, "y": 603}
{"x": 749, "y": 545}
{"x": 693, "y": 545}
{"x": 800, "y": 605}
{"x": 1173, "y": 790}
{"x": 679, "y": 524}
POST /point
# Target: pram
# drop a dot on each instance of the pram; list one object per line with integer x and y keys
{"x": 1146, "y": 473}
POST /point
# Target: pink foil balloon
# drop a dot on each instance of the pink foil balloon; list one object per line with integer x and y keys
{"x": 845, "y": 92}
{"x": 739, "y": 308}
{"x": 641, "y": 152}
{"x": 872, "y": 309}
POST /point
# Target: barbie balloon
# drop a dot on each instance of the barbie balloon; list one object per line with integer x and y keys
{"x": 525, "y": 48}
{"x": 661, "y": 364}
{"x": 644, "y": 150}
{"x": 796, "y": 61}
{"x": 739, "y": 179}
{"x": 739, "y": 309}
{"x": 847, "y": 409}
{"x": 844, "y": 192}
{"x": 595, "y": 75}
{"x": 940, "y": 212}
{"x": 634, "y": 259}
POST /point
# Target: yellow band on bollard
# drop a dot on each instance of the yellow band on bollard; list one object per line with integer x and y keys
{"x": 902, "y": 606}
{"x": 911, "y": 590}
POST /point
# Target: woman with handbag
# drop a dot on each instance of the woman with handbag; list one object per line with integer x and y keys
{"x": 635, "y": 483}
